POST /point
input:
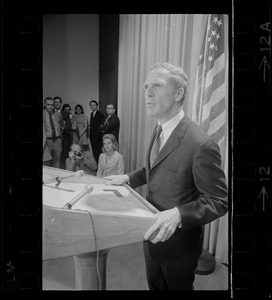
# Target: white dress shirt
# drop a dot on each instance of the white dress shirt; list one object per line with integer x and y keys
{"x": 169, "y": 126}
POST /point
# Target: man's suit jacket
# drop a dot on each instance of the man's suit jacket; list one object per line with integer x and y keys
{"x": 112, "y": 126}
{"x": 65, "y": 116}
{"x": 186, "y": 174}
{"x": 95, "y": 122}
{"x": 56, "y": 119}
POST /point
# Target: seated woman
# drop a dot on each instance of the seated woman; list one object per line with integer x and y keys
{"x": 110, "y": 162}
{"x": 81, "y": 160}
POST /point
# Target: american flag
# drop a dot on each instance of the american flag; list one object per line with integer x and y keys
{"x": 210, "y": 89}
{"x": 209, "y": 111}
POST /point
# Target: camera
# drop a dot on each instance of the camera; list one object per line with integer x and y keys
{"x": 78, "y": 154}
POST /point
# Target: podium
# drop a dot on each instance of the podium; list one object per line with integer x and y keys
{"x": 108, "y": 217}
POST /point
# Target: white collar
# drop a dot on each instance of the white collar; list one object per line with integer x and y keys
{"x": 169, "y": 126}
{"x": 172, "y": 123}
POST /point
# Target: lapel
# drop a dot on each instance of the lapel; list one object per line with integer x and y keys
{"x": 173, "y": 141}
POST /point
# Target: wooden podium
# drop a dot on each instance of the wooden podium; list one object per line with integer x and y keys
{"x": 109, "y": 216}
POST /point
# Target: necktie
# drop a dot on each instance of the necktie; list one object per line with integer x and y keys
{"x": 52, "y": 128}
{"x": 156, "y": 146}
{"x": 105, "y": 123}
{"x": 92, "y": 115}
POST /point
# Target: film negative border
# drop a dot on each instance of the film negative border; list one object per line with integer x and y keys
{"x": 251, "y": 190}
{"x": 251, "y": 248}
{"x": 22, "y": 157}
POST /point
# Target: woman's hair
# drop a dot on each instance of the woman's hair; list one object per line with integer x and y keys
{"x": 113, "y": 140}
{"x": 80, "y": 106}
{"x": 66, "y": 105}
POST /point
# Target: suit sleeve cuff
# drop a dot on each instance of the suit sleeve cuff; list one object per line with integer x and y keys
{"x": 178, "y": 210}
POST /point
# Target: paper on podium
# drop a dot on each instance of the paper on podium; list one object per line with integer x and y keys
{"x": 103, "y": 199}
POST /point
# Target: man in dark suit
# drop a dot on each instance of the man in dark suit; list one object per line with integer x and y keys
{"x": 111, "y": 123}
{"x": 96, "y": 118}
{"x": 67, "y": 138}
{"x": 185, "y": 182}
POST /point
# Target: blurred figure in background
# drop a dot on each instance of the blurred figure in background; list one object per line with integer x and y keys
{"x": 96, "y": 118}
{"x": 46, "y": 153}
{"x": 79, "y": 126}
{"x": 111, "y": 123}
{"x": 67, "y": 137}
{"x": 52, "y": 132}
{"x": 57, "y": 104}
{"x": 81, "y": 159}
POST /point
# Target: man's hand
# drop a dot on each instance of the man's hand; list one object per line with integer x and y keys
{"x": 117, "y": 179}
{"x": 166, "y": 224}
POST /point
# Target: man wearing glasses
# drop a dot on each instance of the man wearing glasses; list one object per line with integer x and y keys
{"x": 111, "y": 123}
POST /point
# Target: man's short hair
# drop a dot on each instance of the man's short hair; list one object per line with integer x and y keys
{"x": 180, "y": 78}
{"x": 48, "y": 98}
{"x": 111, "y": 104}
{"x": 94, "y": 102}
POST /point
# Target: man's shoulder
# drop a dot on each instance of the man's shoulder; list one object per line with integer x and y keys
{"x": 99, "y": 113}
{"x": 193, "y": 132}
{"x": 114, "y": 117}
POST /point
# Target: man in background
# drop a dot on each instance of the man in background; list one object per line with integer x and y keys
{"x": 57, "y": 103}
{"x": 185, "y": 182}
{"x": 53, "y": 133}
{"x": 67, "y": 139}
{"x": 96, "y": 118}
{"x": 111, "y": 123}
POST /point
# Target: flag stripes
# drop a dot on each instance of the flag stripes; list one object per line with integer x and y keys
{"x": 212, "y": 113}
{"x": 217, "y": 81}
{"x": 217, "y": 123}
{"x": 219, "y": 135}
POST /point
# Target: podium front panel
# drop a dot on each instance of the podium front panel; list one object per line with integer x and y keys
{"x": 109, "y": 216}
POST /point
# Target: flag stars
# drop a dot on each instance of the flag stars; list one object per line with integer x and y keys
{"x": 212, "y": 46}
{"x": 219, "y": 23}
{"x": 210, "y": 58}
{"x": 215, "y": 20}
{"x": 213, "y": 33}
{"x": 218, "y": 36}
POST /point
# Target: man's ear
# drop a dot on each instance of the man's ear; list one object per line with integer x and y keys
{"x": 179, "y": 94}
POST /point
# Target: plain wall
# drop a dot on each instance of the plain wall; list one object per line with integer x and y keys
{"x": 71, "y": 58}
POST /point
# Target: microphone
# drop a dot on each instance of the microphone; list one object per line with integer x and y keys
{"x": 79, "y": 173}
{"x": 88, "y": 188}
